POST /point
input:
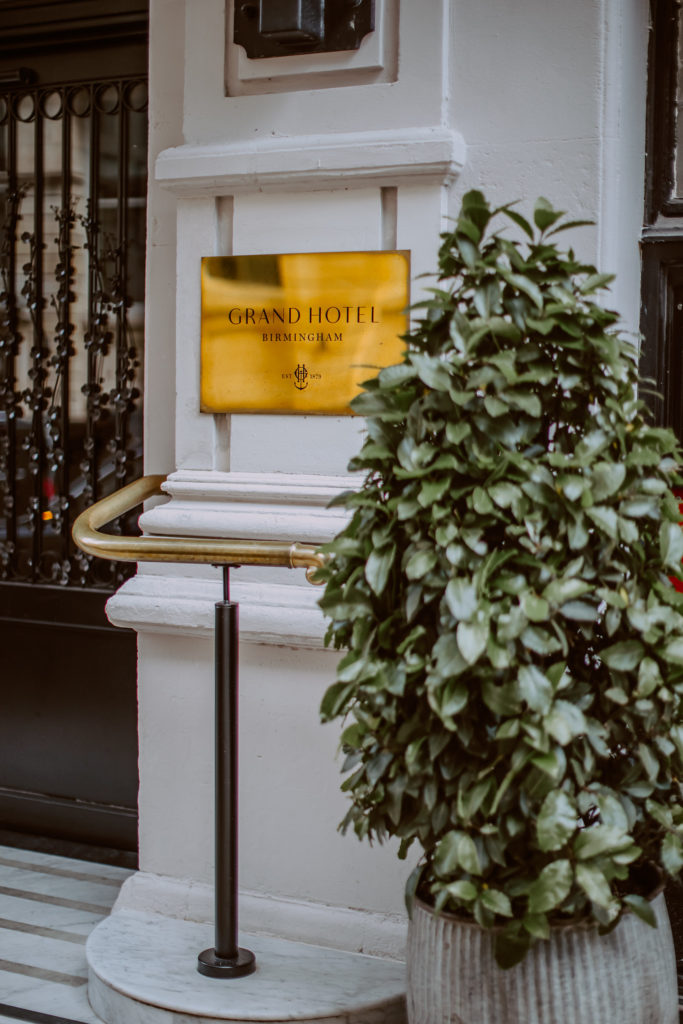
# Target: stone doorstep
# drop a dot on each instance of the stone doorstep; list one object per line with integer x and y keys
{"x": 142, "y": 970}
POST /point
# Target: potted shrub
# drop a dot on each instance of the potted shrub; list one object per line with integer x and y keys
{"x": 512, "y": 683}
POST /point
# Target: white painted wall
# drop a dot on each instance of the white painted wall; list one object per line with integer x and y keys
{"x": 536, "y": 97}
{"x": 550, "y": 99}
{"x": 166, "y": 56}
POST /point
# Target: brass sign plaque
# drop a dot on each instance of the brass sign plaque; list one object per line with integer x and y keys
{"x": 299, "y": 332}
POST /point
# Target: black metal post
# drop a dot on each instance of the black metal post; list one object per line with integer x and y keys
{"x": 226, "y": 959}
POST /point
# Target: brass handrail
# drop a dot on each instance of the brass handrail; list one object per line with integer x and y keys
{"x": 211, "y": 550}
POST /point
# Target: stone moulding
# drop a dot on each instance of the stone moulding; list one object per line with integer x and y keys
{"x": 270, "y": 613}
{"x": 407, "y": 156}
{"x": 360, "y": 931}
{"x": 276, "y": 606}
{"x": 275, "y": 506}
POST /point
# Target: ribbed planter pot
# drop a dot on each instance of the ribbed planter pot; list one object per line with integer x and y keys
{"x": 576, "y": 977}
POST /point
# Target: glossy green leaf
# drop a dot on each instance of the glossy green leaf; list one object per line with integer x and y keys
{"x": 565, "y": 721}
{"x": 432, "y": 491}
{"x": 623, "y": 656}
{"x": 671, "y": 544}
{"x": 605, "y": 518}
{"x": 540, "y": 641}
{"x": 472, "y": 637}
{"x": 433, "y": 372}
{"x": 504, "y": 494}
{"x": 649, "y": 761}
{"x": 577, "y": 534}
{"x": 545, "y": 215}
{"x": 457, "y": 431}
{"x": 595, "y": 281}
{"x": 600, "y": 839}
{"x": 529, "y": 287}
{"x": 468, "y": 251}
{"x": 518, "y": 220}
{"x": 616, "y": 694}
{"x": 673, "y": 651}
{"x": 535, "y": 608}
{"x": 557, "y": 821}
{"x": 497, "y": 902}
{"x": 335, "y": 699}
{"x": 481, "y": 502}
{"x": 468, "y": 858}
{"x": 463, "y": 890}
{"x": 501, "y": 699}
{"x": 553, "y": 764}
{"x": 639, "y": 507}
{"x": 461, "y": 598}
{"x": 456, "y": 850}
{"x": 453, "y": 699}
{"x": 551, "y": 887}
{"x": 420, "y": 563}
{"x": 607, "y": 479}
{"x": 579, "y": 611}
{"x": 378, "y": 567}
{"x": 535, "y": 688}
{"x": 494, "y": 406}
{"x": 594, "y": 884}
{"x": 449, "y": 660}
{"x": 502, "y": 328}
{"x": 672, "y": 854}
{"x": 411, "y": 888}
{"x": 392, "y": 376}
{"x": 527, "y": 402}
{"x": 563, "y": 590}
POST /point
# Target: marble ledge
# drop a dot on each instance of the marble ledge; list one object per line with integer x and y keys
{"x": 270, "y": 613}
{"x": 432, "y": 155}
{"x": 282, "y": 488}
{"x": 273, "y": 506}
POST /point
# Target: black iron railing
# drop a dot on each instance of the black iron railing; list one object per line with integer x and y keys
{"x": 72, "y": 238}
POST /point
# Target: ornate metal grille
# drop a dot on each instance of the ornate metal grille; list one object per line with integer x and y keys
{"x": 72, "y": 242}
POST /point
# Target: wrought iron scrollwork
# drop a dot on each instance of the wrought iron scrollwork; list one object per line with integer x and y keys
{"x": 10, "y": 397}
{"x": 70, "y": 388}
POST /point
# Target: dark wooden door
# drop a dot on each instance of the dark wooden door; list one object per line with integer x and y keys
{"x": 73, "y": 128}
{"x": 662, "y": 280}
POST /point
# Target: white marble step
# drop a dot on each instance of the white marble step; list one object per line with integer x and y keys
{"x": 38, "y": 996}
{"x": 48, "y": 905}
{"x": 51, "y": 863}
{"x": 143, "y": 971}
{"x": 18, "y": 908}
{"x": 94, "y": 896}
{"x": 53, "y": 955}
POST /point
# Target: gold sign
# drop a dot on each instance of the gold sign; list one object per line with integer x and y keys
{"x": 299, "y": 332}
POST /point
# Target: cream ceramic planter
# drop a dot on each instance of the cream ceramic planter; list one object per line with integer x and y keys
{"x": 576, "y": 977}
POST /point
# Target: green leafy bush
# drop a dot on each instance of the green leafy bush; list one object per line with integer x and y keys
{"x": 513, "y": 680}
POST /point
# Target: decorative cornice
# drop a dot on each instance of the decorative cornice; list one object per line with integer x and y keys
{"x": 358, "y": 159}
{"x": 273, "y": 506}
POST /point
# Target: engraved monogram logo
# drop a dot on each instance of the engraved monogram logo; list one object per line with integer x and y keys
{"x": 301, "y": 377}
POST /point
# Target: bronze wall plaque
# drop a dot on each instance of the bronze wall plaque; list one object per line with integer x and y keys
{"x": 299, "y": 332}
